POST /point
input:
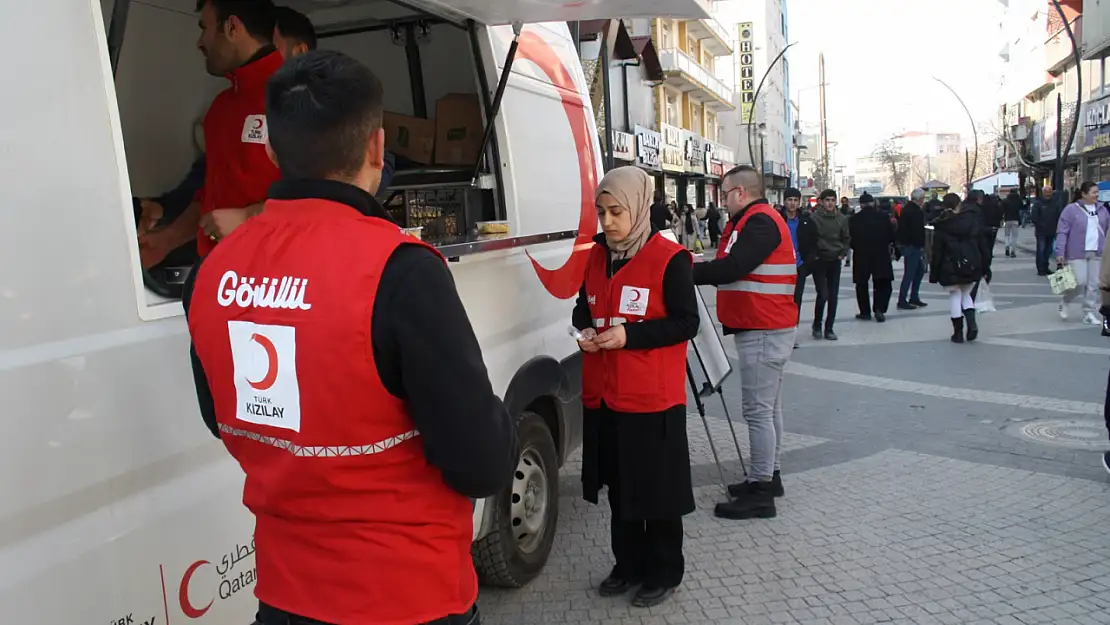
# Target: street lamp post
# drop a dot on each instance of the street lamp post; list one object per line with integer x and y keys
{"x": 762, "y": 160}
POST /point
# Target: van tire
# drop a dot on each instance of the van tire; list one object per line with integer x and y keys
{"x": 502, "y": 558}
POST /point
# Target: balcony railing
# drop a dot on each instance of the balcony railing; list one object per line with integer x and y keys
{"x": 675, "y": 60}
{"x": 717, "y": 28}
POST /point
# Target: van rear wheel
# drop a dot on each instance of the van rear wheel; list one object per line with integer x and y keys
{"x": 525, "y": 514}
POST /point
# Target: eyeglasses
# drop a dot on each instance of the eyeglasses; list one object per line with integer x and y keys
{"x": 728, "y": 192}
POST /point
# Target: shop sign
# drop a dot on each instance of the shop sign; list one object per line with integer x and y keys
{"x": 673, "y": 158}
{"x": 747, "y": 70}
{"x": 693, "y": 151}
{"x": 623, "y": 146}
{"x": 648, "y": 143}
{"x": 1095, "y": 122}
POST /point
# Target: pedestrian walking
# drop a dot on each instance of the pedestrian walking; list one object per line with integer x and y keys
{"x": 1045, "y": 217}
{"x": 991, "y": 214}
{"x": 379, "y": 528}
{"x": 911, "y": 240}
{"x": 1080, "y": 238}
{"x": 1104, "y": 285}
{"x": 833, "y": 242}
{"x": 755, "y": 274}
{"x": 960, "y": 259}
{"x": 660, "y": 214}
{"x": 1012, "y": 207}
{"x": 634, "y": 434}
{"x": 872, "y": 233}
{"x": 803, "y": 233}
{"x": 713, "y": 224}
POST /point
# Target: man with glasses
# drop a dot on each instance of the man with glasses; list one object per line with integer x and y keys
{"x": 755, "y": 274}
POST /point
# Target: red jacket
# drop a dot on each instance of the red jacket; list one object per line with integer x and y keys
{"x": 239, "y": 172}
{"x": 354, "y": 526}
{"x": 632, "y": 380}
{"x": 764, "y": 299}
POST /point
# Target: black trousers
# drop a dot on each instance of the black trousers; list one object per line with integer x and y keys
{"x": 826, "y": 277}
{"x": 800, "y": 289}
{"x": 648, "y": 552}
{"x": 883, "y": 290}
{"x": 1106, "y": 405}
{"x": 269, "y": 615}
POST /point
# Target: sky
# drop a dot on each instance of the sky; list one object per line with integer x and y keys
{"x": 880, "y": 60}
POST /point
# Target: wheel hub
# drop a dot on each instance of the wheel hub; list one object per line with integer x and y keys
{"x": 528, "y": 508}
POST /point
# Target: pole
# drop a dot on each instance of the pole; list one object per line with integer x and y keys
{"x": 1058, "y": 177}
{"x": 755, "y": 99}
{"x": 974, "y": 130}
{"x": 824, "y": 122}
{"x": 609, "y": 162}
{"x": 705, "y": 422}
{"x": 1061, "y": 156}
{"x": 967, "y": 171}
{"x": 762, "y": 173}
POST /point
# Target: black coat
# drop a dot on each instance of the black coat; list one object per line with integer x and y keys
{"x": 911, "y": 226}
{"x": 872, "y": 233}
{"x": 1012, "y": 207}
{"x": 713, "y": 220}
{"x": 961, "y": 252}
{"x": 644, "y": 458}
{"x": 1046, "y": 214}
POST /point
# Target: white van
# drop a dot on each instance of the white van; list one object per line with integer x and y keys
{"x": 116, "y": 505}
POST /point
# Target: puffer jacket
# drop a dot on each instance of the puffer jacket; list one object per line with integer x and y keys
{"x": 960, "y": 250}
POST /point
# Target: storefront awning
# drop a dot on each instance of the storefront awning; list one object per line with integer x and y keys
{"x": 649, "y": 56}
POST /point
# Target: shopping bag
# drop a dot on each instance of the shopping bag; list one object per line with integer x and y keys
{"x": 698, "y": 247}
{"x": 1063, "y": 280}
{"x": 985, "y": 301}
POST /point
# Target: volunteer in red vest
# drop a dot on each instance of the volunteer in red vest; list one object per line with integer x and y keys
{"x": 755, "y": 274}
{"x": 235, "y": 40}
{"x": 636, "y": 312}
{"x": 334, "y": 359}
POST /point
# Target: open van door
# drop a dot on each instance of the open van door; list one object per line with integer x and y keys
{"x": 497, "y": 12}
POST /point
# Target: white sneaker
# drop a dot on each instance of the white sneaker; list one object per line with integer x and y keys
{"x": 1091, "y": 319}
{"x": 1063, "y": 312}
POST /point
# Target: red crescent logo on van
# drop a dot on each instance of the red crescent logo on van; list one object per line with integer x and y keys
{"x": 565, "y": 281}
{"x": 183, "y": 592}
{"x": 271, "y": 364}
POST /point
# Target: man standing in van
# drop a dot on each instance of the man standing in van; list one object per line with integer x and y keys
{"x": 236, "y": 43}
{"x": 358, "y": 407}
{"x": 755, "y": 274}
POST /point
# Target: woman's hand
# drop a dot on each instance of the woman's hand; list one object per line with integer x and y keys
{"x": 587, "y": 343}
{"x": 613, "y": 338}
{"x": 1061, "y": 261}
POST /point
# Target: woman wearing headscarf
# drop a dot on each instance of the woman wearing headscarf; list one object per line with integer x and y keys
{"x": 960, "y": 259}
{"x": 1080, "y": 238}
{"x": 636, "y": 312}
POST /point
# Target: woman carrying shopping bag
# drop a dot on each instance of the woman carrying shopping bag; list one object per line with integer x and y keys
{"x": 1080, "y": 238}
{"x": 636, "y": 312}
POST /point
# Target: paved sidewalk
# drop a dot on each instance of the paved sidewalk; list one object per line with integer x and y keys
{"x": 926, "y": 482}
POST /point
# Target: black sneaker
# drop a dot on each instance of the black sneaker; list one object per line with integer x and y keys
{"x": 863, "y": 317}
{"x": 651, "y": 596}
{"x": 917, "y": 303}
{"x": 830, "y": 335}
{"x": 880, "y": 317}
{"x": 1106, "y": 461}
{"x": 906, "y": 306}
{"x": 816, "y": 333}
{"x": 757, "y": 503}
{"x": 614, "y": 586}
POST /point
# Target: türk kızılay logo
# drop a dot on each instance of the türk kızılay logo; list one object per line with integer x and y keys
{"x": 203, "y": 583}
{"x": 266, "y": 386}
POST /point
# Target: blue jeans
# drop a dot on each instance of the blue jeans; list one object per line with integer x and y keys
{"x": 914, "y": 259}
{"x": 1046, "y": 246}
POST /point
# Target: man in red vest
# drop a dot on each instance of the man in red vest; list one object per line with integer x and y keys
{"x": 755, "y": 274}
{"x": 358, "y": 406}
{"x": 235, "y": 40}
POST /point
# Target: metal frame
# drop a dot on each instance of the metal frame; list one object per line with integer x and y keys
{"x": 471, "y": 246}
{"x": 117, "y": 27}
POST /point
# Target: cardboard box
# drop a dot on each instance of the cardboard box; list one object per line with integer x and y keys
{"x": 458, "y": 129}
{"x": 411, "y": 137}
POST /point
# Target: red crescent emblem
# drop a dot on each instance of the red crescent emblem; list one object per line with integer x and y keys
{"x": 183, "y": 592}
{"x": 271, "y": 364}
{"x": 258, "y": 123}
{"x": 565, "y": 281}
{"x": 636, "y": 295}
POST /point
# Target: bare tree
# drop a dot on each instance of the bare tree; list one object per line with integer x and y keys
{"x": 895, "y": 162}
{"x": 822, "y": 177}
{"x": 920, "y": 167}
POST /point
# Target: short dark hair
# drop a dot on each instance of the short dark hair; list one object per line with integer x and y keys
{"x": 751, "y": 177}
{"x": 257, "y": 15}
{"x": 792, "y": 192}
{"x": 828, "y": 193}
{"x": 322, "y": 108}
{"x": 293, "y": 24}
{"x": 951, "y": 200}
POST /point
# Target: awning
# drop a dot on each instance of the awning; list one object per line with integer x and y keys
{"x": 649, "y": 56}
{"x": 622, "y": 47}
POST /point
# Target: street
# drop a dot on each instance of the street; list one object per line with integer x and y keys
{"x": 926, "y": 482}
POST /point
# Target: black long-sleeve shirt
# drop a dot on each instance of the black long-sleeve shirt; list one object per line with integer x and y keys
{"x": 754, "y": 244}
{"x": 680, "y": 324}
{"x": 426, "y": 354}
{"x": 911, "y": 226}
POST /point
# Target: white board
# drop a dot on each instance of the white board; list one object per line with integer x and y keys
{"x": 707, "y": 348}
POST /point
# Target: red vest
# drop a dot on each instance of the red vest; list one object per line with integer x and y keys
{"x": 238, "y": 171}
{"x": 632, "y": 380}
{"x": 353, "y": 525}
{"x": 763, "y": 299}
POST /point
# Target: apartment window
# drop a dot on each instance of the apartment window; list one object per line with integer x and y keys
{"x": 672, "y": 110}
{"x": 695, "y": 119}
{"x": 692, "y": 46}
{"x": 668, "y": 35}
